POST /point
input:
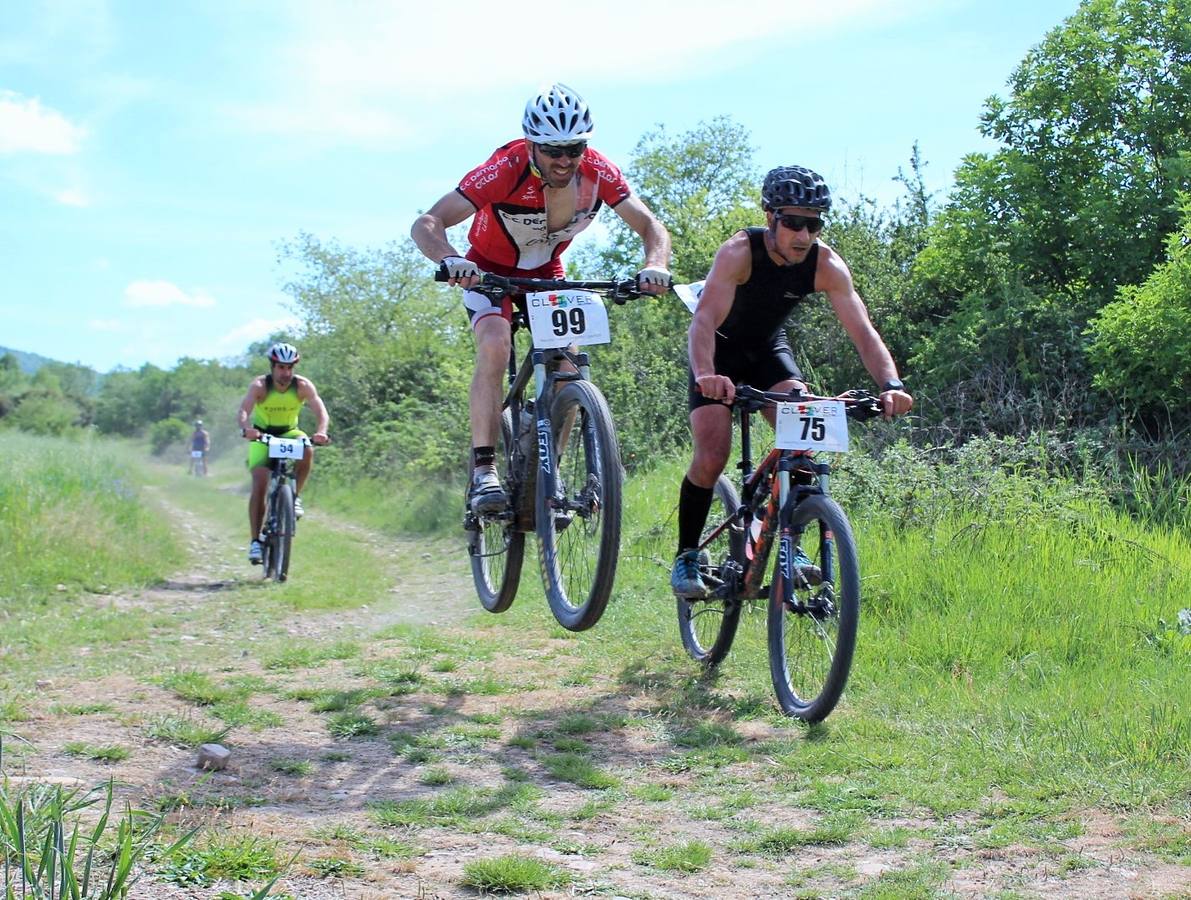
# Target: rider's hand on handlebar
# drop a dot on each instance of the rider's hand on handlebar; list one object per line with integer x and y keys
{"x": 653, "y": 280}
{"x": 250, "y": 433}
{"x": 716, "y": 387}
{"x": 896, "y": 403}
{"x": 461, "y": 272}
{"x": 320, "y": 437}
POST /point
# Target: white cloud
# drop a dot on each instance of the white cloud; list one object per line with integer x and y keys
{"x": 112, "y": 326}
{"x": 163, "y": 293}
{"x": 72, "y": 197}
{"x": 236, "y": 340}
{"x": 27, "y": 126}
{"x": 348, "y": 69}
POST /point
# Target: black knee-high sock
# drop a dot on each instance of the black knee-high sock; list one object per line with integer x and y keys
{"x": 694, "y": 503}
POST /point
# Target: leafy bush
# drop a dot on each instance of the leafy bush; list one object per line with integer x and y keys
{"x": 166, "y": 433}
{"x": 1141, "y": 342}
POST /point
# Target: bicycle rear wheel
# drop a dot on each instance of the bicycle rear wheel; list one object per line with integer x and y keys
{"x": 812, "y": 627}
{"x": 282, "y": 537}
{"x": 495, "y": 547}
{"x": 579, "y": 527}
{"x": 708, "y": 627}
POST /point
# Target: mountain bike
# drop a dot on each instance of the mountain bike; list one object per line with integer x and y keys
{"x": 814, "y": 590}
{"x": 198, "y": 466}
{"x": 280, "y": 524}
{"x": 557, "y": 454}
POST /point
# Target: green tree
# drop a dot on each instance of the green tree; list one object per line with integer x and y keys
{"x": 1038, "y": 236}
{"x": 1141, "y": 342}
{"x": 390, "y": 352}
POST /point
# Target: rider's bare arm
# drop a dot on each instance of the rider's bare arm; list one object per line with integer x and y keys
{"x": 835, "y": 279}
{"x": 732, "y": 266}
{"x": 653, "y": 235}
{"x": 429, "y": 231}
{"x": 308, "y": 393}
{"x": 256, "y": 393}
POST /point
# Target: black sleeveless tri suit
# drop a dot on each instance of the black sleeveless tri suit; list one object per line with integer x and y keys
{"x": 751, "y": 343}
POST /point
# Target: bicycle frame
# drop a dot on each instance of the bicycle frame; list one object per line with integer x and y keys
{"x": 538, "y": 362}
{"x": 774, "y": 470}
{"x": 543, "y": 364}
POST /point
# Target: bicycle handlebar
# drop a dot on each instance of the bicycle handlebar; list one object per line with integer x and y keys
{"x": 264, "y": 437}
{"x": 497, "y": 286}
{"x": 859, "y": 404}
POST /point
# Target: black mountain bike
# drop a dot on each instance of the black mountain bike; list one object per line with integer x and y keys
{"x": 280, "y": 523}
{"x": 814, "y": 591}
{"x": 557, "y": 455}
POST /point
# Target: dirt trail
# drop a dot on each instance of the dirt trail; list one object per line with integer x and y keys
{"x": 486, "y": 731}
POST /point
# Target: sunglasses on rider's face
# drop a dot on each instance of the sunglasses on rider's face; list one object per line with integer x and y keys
{"x": 573, "y": 151}
{"x": 813, "y": 224}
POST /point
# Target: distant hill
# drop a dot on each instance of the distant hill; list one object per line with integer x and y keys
{"x": 29, "y": 362}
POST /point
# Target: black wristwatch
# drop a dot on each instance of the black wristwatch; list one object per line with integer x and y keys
{"x": 893, "y": 384}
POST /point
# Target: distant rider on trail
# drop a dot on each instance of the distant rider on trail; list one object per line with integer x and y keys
{"x": 271, "y": 406}
{"x": 200, "y": 442}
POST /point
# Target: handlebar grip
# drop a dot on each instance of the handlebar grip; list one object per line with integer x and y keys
{"x": 441, "y": 273}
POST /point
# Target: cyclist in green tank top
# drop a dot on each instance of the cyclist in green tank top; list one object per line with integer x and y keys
{"x": 271, "y": 406}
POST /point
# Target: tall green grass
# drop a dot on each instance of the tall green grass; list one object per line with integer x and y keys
{"x": 1020, "y": 635}
{"x": 71, "y": 515}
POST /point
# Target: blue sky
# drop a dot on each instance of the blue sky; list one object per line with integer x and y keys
{"x": 153, "y": 155}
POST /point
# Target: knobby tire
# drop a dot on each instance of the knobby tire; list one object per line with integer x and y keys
{"x": 810, "y": 654}
{"x": 708, "y": 627}
{"x": 496, "y": 547}
{"x": 579, "y": 544}
{"x": 282, "y": 537}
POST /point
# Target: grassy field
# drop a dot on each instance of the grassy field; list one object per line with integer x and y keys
{"x": 1018, "y": 715}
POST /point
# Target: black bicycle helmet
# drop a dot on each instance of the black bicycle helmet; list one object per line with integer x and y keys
{"x": 795, "y": 186}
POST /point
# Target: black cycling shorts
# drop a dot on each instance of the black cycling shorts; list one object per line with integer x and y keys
{"x": 761, "y": 368}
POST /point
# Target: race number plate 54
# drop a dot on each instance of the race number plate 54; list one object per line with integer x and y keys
{"x": 559, "y": 318}
{"x": 821, "y": 425}
{"x": 286, "y": 448}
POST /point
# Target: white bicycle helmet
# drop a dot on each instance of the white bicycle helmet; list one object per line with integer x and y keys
{"x": 286, "y": 354}
{"x": 557, "y": 115}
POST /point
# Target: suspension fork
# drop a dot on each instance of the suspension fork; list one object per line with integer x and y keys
{"x": 787, "y": 540}
{"x": 545, "y": 437}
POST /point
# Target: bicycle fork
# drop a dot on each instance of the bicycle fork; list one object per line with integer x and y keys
{"x": 789, "y": 541}
{"x": 545, "y": 436}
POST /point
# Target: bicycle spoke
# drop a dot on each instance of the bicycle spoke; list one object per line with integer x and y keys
{"x": 708, "y": 627}
{"x": 812, "y": 632}
{"x": 579, "y": 526}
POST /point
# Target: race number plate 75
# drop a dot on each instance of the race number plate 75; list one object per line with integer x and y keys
{"x": 818, "y": 425}
{"x": 559, "y": 318}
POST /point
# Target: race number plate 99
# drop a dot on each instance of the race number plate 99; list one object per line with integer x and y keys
{"x": 559, "y": 318}
{"x": 821, "y": 425}
{"x": 286, "y": 448}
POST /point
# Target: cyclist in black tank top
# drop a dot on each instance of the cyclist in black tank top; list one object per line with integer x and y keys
{"x": 738, "y": 335}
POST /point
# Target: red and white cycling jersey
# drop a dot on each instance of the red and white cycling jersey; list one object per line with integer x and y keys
{"x": 509, "y": 227}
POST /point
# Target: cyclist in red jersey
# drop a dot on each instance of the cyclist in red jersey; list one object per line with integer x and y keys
{"x": 529, "y": 200}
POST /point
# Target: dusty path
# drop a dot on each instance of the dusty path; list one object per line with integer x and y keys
{"x": 388, "y": 755}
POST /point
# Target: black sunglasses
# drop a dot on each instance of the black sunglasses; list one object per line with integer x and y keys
{"x": 813, "y": 224}
{"x": 574, "y": 151}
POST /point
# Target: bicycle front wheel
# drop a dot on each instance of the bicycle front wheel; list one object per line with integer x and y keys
{"x": 708, "y": 626}
{"x": 579, "y": 526}
{"x": 813, "y": 615}
{"x": 282, "y": 537}
{"x": 495, "y": 546}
